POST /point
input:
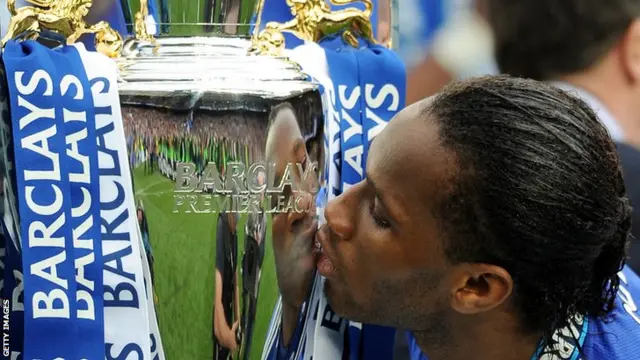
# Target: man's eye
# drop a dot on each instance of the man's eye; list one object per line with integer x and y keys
{"x": 379, "y": 220}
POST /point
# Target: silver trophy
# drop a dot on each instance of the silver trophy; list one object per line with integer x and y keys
{"x": 193, "y": 97}
{"x": 202, "y": 102}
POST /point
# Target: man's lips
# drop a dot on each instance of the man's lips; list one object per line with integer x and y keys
{"x": 324, "y": 264}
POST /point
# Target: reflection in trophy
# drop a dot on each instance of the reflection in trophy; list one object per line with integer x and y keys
{"x": 254, "y": 249}
{"x": 227, "y": 17}
{"x": 226, "y": 304}
{"x": 199, "y": 112}
{"x": 204, "y": 102}
{"x": 144, "y": 230}
{"x": 197, "y": 17}
{"x": 225, "y": 12}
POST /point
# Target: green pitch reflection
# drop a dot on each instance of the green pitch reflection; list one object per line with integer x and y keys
{"x": 184, "y": 251}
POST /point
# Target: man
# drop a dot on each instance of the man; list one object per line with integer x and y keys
{"x": 493, "y": 223}
{"x": 254, "y": 246}
{"x": 285, "y": 145}
{"x": 230, "y": 16}
{"x": 597, "y": 58}
{"x": 226, "y": 309}
{"x": 144, "y": 230}
{"x": 209, "y": 13}
{"x": 295, "y": 264}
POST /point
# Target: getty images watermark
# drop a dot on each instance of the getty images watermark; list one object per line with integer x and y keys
{"x": 209, "y": 192}
{"x": 6, "y": 340}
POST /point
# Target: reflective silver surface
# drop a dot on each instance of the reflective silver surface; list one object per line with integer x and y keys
{"x": 203, "y": 100}
{"x": 206, "y": 73}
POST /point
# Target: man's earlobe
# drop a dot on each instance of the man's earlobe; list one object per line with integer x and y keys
{"x": 480, "y": 288}
{"x": 631, "y": 51}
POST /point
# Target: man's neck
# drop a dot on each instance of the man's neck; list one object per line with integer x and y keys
{"x": 485, "y": 342}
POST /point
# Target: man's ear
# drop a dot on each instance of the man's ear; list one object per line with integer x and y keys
{"x": 630, "y": 52}
{"x": 479, "y": 288}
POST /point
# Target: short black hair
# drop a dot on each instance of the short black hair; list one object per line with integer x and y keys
{"x": 275, "y": 111}
{"x": 273, "y": 180}
{"x": 538, "y": 191}
{"x": 273, "y": 115}
{"x": 544, "y": 39}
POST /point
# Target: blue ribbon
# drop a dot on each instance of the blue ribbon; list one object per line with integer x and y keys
{"x": 82, "y": 161}
{"x": 370, "y": 85}
{"x": 43, "y": 201}
{"x": 383, "y": 79}
{"x": 343, "y": 70}
{"x": 12, "y": 291}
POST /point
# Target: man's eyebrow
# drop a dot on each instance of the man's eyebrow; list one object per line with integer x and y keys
{"x": 393, "y": 214}
{"x": 379, "y": 194}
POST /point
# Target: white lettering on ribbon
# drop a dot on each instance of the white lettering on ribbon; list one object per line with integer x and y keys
{"x": 352, "y": 155}
{"x": 42, "y": 234}
{"x": 375, "y": 102}
{"x": 84, "y": 299}
{"x": 333, "y": 121}
{"x": 125, "y": 309}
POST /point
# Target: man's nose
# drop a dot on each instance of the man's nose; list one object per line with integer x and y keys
{"x": 340, "y": 213}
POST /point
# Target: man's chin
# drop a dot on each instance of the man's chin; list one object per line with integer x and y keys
{"x": 341, "y": 303}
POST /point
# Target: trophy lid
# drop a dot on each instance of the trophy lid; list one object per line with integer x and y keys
{"x": 211, "y": 73}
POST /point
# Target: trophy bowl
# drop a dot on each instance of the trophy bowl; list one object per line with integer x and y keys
{"x": 194, "y": 100}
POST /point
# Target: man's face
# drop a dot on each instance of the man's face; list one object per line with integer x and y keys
{"x": 292, "y": 239}
{"x": 232, "y": 221}
{"x": 291, "y": 149}
{"x": 382, "y": 237}
{"x": 261, "y": 180}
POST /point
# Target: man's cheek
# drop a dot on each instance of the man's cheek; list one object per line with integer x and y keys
{"x": 361, "y": 278}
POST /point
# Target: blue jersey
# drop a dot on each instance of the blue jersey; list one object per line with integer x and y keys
{"x": 616, "y": 339}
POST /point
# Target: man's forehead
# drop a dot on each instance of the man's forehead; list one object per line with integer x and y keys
{"x": 285, "y": 117}
{"x": 408, "y": 162}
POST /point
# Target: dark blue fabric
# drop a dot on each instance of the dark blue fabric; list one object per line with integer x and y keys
{"x": 33, "y": 79}
{"x": 630, "y": 162}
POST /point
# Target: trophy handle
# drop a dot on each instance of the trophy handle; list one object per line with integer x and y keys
{"x": 314, "y": 20}
{"x": 62, "y": 19}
